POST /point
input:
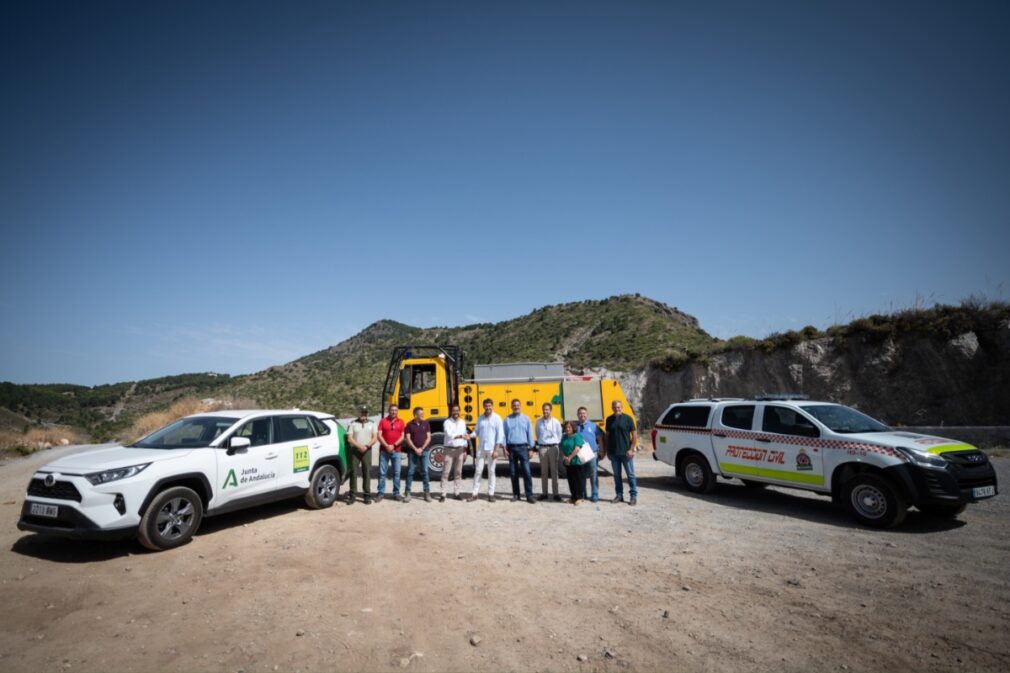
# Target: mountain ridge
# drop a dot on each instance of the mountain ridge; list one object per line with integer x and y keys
{"x": 618, "y": 333}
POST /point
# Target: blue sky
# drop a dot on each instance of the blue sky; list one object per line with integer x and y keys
{"x": 195, "y": 186}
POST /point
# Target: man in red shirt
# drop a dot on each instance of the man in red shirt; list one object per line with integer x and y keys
{"x": 390, "y": 441}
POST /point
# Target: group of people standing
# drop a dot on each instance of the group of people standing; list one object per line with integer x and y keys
{"x": 580, "y": 445}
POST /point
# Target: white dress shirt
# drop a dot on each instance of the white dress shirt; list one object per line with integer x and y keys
{"x": 451, "y": 428}
{"x": 548, "y": 431}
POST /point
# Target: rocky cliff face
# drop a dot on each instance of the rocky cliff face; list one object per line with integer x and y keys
{"x": 908, "y": 379}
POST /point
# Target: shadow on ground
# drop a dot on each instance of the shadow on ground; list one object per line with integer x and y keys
{"x": 798, "y": 505}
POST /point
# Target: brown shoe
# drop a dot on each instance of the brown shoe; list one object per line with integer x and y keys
{"x": 471, "y": 498}
{"x": 490, "y": 498}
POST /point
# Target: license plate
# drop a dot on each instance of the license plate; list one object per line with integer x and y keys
{"x": 38, "y": 509}
{"x": 983, "y": 492}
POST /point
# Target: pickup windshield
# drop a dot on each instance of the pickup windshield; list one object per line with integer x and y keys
{"x": 844, "y": 420}
{"x": 186, "y": 433}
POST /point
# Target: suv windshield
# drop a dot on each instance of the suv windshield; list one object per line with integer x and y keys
{"x": 843, "y": 419}
{"x": 186, "y": 433}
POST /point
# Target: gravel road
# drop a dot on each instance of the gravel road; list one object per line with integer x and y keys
{"x": 739, "y": 580}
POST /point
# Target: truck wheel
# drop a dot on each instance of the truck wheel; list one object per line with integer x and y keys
{"x": 323, "y": 487}
{"x": 696, "y": 473}
{"x": 873, "y": 501}
{"x": 753, "y": 484}
{"x": 171, "y": 519}
{"x": 436, "y": 456}
{"x": 946, "y": 511}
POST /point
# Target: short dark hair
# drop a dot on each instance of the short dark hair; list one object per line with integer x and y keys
{"x": 453, "y": 406}
{"x": 417, "y": 409}
{"x": 569, "y": 424}
{"x": 489, "y": 401}
{"x": 548, "y": 405}
{"x": 516, "y": 400}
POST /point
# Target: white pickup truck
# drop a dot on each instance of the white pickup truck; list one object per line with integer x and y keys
{"x": 872, "y": 470}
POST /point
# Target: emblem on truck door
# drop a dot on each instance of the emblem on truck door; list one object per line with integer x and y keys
{"x": 803, "y": 461}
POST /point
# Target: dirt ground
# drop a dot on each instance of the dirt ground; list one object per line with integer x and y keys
{"x": 739, "y": 580}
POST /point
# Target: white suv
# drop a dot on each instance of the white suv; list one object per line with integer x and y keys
{"x": 160, "y": 488}
{"x": 872, "y": 470}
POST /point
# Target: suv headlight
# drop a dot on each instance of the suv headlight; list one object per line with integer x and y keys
{"x": 924, "y": 459}
{"x": 118, "y": 473}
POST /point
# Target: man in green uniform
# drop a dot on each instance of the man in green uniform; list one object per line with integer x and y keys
{"x": 361, "y": 436}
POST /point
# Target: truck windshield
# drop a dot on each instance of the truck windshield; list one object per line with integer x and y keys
{"x": 186, "y": 433}
{"x": 844, "y": 420}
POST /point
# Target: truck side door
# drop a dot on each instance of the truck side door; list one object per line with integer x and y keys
{"x": 789, "y": 439}
{"x": 733, "y": 441}
{"x": 250, "y": 471}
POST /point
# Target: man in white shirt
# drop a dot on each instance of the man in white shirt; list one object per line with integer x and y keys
{"x": 454, "y": 455}
{"x": 490, "y": 434}
{"x": 548, "y": 438}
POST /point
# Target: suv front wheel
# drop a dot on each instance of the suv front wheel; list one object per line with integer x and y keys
{"x": 171, "y": 519}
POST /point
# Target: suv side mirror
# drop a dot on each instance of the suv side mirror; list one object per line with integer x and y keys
{"x": 238, "y": 445}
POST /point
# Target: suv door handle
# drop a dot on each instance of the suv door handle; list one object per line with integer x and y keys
{"x": 317, "y": 446}
{"x": 764, "y": 439}
{"x": 719, "y": 434}
{"x": 271, "y": 456}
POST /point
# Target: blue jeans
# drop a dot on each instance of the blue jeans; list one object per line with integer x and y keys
{"x": 384, "y": 459}
{"x": 592, "y": 472}
{"x": 413, "y": 462}
{"x": 520, "y": 456}
{"x": 616, "y": 462}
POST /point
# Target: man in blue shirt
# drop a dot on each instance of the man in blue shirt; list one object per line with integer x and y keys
{"x": 594, "y": 438}
{"x": 518, "y": 440}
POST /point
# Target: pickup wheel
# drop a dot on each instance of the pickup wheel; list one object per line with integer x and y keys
{"x": 323, "y": 488}
{"x": 696, "y": 473}
{"x": 873, "y": 501}
{"x": 946, "y": 511}
{"x": 171, "y": 519}
{"x": 436, "y": 455}
{"x": 753, "y": 484}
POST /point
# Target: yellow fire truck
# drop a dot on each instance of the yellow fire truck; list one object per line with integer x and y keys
{"x": 430, "y": 376}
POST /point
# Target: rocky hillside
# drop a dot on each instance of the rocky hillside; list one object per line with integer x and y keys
{"x": 941, "y": 366}
{"x": 620, "y": 333}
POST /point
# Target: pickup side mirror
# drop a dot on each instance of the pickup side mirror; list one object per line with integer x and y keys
{"x": 238, "y": 445}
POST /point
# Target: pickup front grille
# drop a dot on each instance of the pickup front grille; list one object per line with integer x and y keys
{"x": 967, "y": 458}
{"x": 61, "y": 490}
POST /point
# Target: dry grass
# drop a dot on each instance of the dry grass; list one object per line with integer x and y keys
{"x": 40, "y": 438}
{"x": 187, "y": 406}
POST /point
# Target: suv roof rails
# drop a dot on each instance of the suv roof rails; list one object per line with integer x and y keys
{"x": 781, "y": 397}
{"x": 714, "y": 399}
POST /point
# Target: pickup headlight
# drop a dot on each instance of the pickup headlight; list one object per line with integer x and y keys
{"x": 105, "y": 476}
{"x": 924, "y": 459}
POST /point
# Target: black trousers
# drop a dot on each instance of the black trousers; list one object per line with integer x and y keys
{"x": 576, "y": 481}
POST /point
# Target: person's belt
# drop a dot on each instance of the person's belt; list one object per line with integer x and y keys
{"x": 547, "y": 446}
{"x": 518, "y": 446}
